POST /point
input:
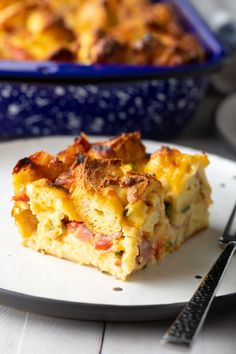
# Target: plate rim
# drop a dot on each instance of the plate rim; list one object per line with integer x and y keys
{"x": 101, "y": 312}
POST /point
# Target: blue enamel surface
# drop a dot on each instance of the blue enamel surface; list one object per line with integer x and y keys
{"x": 159, "y": 108}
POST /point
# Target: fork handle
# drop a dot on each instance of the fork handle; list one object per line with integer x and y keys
{"x": 190, "y": 320}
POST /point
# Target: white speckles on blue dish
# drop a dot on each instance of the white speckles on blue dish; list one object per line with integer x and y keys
{"x": 160, "y": 109}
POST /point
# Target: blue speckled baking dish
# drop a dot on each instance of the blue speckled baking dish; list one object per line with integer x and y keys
{"x": 48, "y": 98}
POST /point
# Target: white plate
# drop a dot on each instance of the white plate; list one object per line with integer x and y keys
{"x": 49, "y": 285}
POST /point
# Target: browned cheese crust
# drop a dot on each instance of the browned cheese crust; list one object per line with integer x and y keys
{"x": 135, "y": 32}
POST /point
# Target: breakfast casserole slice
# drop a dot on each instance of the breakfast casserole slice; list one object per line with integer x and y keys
{"x": 109, "y": 204}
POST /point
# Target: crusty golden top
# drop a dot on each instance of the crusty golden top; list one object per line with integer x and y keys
{"x": 127, "y": 147}
{"x": 110, "y": 185}
{"x": 107, "y": 162}
{"x": 98, "y": 174}
{"x": 42, "y": 163}
{"x": 61, "y": 168}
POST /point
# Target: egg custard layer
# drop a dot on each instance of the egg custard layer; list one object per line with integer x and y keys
{"x": 109, "y": 204}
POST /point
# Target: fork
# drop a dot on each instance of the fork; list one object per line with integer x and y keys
{"x": 187, "y": 325}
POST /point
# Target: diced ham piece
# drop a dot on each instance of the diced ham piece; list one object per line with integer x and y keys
{"x": 145, "y": 252}
{"x": 80, "y": 230}
{"x": 73, "y": 226}
{"x": 21, "y": 198}
{"x": 84, "y": 233}
{"x": 102, "y": 242}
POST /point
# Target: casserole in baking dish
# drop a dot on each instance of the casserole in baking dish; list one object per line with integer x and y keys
{"x": 51, "y": 97}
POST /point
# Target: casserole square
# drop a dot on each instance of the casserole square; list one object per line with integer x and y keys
{"x": 110, "y": 204}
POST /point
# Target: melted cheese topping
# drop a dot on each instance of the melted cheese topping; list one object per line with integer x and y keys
{"x": 173, "y": 168}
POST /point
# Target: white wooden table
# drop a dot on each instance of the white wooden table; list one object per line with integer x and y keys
{"x": 27, "y": 333}
{"x": 24, "y": 333}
